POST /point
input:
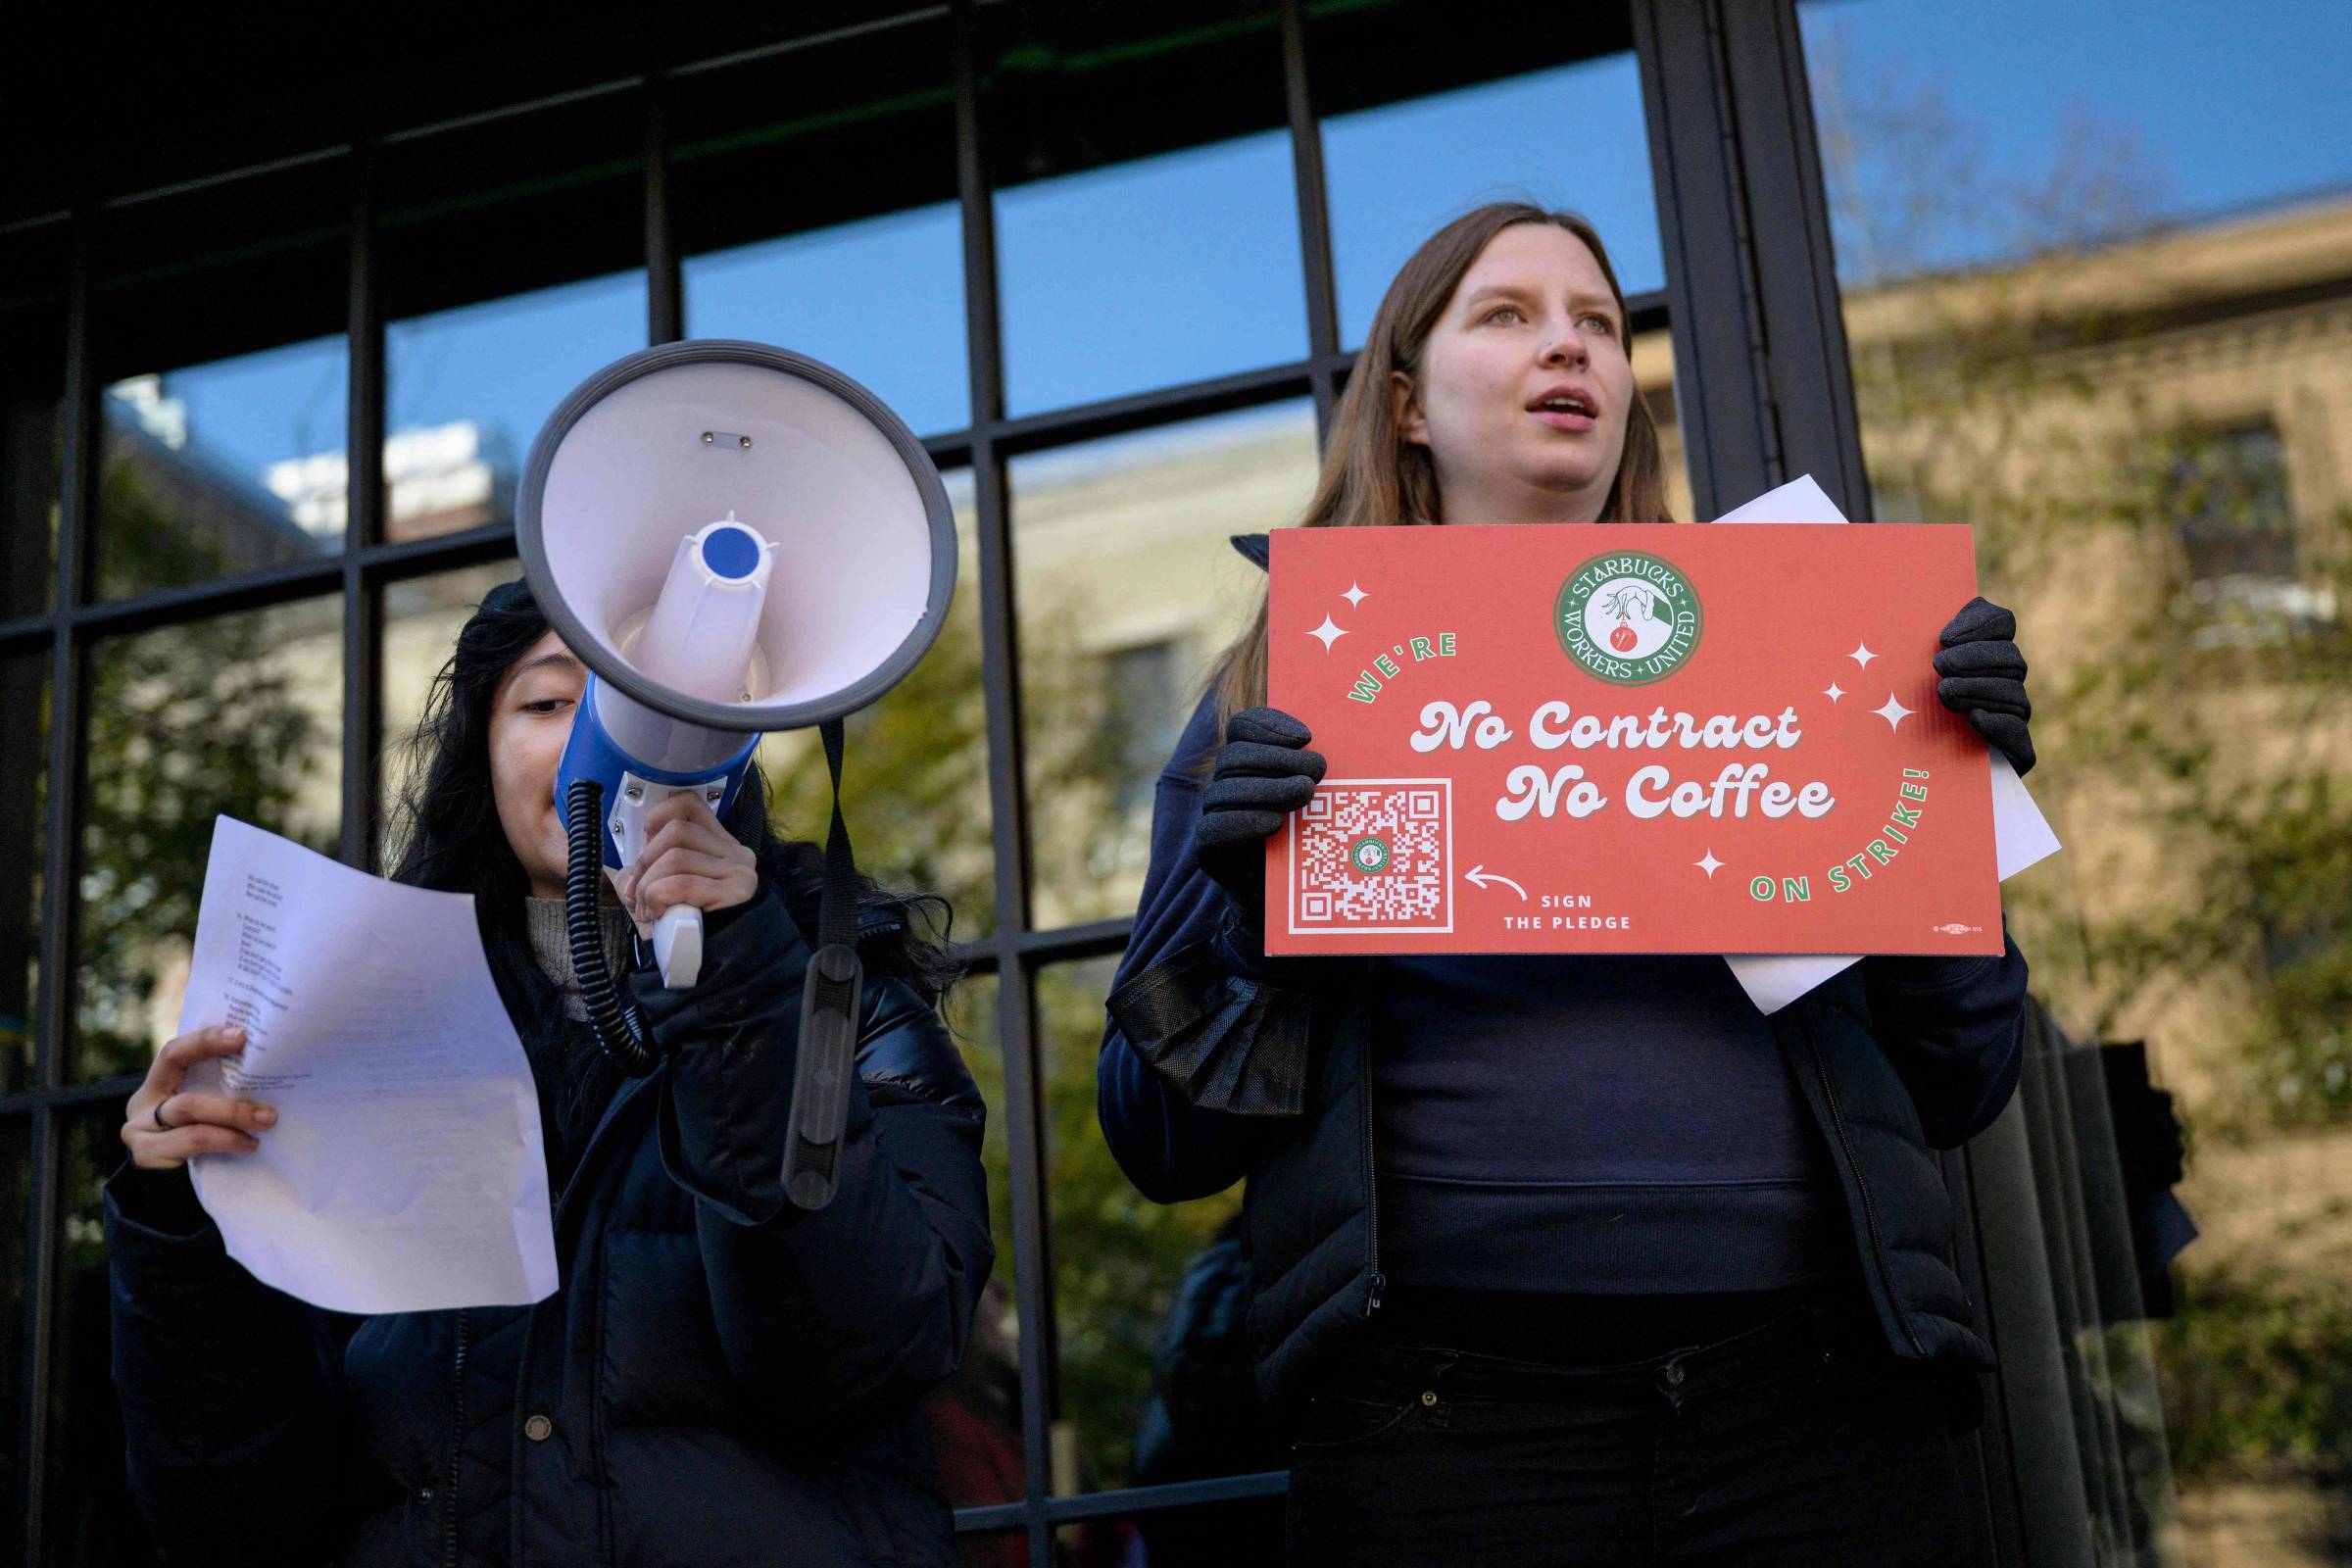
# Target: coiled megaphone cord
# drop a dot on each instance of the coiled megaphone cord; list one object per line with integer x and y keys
{"x": 619, "y": 1028}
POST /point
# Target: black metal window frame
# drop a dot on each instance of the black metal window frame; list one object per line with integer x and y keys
{"x": 1763, "y": 393}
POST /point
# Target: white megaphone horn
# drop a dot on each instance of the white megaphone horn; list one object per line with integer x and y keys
{"x": 734, "y": 539}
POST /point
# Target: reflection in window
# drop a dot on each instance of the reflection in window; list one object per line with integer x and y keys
{"x": 32, "y": 363}
{"x": 2095, "y": 327}
{"x": 1119, "y": 1259}
{"x": 512, "y": 267}
{"x": 915, "y": 766}
{"x": 881, "y": 300}
{"x": 1120, "y": 544}
{"x": 1104, "y": 1543}
{"x": 1146, "y": 719}
{"x": 1570, "y": 137}
{"x": 996, "y": 1548}
{"x": 239, "y": 714}
{"x": 1228, "y": 1535}
{"x": 25, "y": 777}
{"x": 1171, "y": 269}
{"x": 813, "y": 194}
{"x": 422, "y": 616}
{"x": 467, "y": 390}
{"x": 1943, "y": 156}
{"x": 2226, "y": 491}
{"x": 218, "y": 417}
{"x": 14, "y": 1180}
{"x": 89, "y": 1515}
{"x": 975, "y": 1416}
{"x": 1140, "y": 250}
{"x": 201, "y": 479}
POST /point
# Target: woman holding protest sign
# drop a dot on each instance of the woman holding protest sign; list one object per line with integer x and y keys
{"x": 1557, "y": 1259}
{"x": 721, "y": 1377}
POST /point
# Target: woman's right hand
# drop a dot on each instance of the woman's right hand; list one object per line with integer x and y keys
{"x": 190, "y": 1123}
{"x": 1264, "y": 772}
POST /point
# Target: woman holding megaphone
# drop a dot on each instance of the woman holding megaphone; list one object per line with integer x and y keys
{"x": 1575, "y": 1260}
{"x": 722, "y": 1377}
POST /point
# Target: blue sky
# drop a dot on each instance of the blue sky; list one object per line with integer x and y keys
{"x": 1187, "y": 266}
{"x": 2210, "y": 108}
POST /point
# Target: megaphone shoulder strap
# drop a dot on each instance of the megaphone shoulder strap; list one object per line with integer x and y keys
{"x": 837, "y": 914}
{"x": 829, "y": 1010}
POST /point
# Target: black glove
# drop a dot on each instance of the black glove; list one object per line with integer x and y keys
{"x": 1985, "y": 678}
{"x": 1263, "y": 773}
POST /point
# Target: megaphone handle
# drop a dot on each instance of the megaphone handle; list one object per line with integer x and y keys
{"x": 830, "y": 1002}
{"x": 678, "y": 944}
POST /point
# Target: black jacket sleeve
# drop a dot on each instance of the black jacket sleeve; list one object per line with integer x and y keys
{"x": 1951, "y": 1027}
{"x": 231, "y": 1391}
{"x": 1193, "y": 1002}
{"x": 865, "y": 1302}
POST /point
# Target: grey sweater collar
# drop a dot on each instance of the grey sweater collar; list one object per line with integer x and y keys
{"x": 551, "y": 944}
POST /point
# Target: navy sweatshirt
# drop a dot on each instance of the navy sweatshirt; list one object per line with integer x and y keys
{"x": 1599, "y": 1125}
{"x": 1604, "y": 1125}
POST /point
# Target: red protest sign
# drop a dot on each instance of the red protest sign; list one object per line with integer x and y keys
{"x": 1658, "y": 739}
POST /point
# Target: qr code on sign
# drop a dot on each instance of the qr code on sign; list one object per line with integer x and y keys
{"x": 1374, "y": 854}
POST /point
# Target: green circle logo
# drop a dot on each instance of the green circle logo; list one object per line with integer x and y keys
{"x": 1370, "y": 855}
{"x": 1628, "y": 618}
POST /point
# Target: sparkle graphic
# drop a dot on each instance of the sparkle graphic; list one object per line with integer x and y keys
{"x": 1893, "y": 713}
{"x": 1355, "y": 595}
{"x": 1708, "y": 865}
{"x": 1862, "y": 654}
{"x": 1833, "y": 691}
{"x": 1328, "y": 633}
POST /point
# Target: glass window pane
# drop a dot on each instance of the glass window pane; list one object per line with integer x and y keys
{"x": 240, "y": 714}
{"x": 225, "y": 424}
{"x": 2101, "y": 323}
{"x": 24, "y": 776}
{"x": 2048, "y": 161}
{"x": 915, "y": 766}
{"x": 814, "y": 195}
{"x": 1126, "y": 592}
{"x": 1117, "y": 1260}
{"x": 995, "y": 1548}
{"x": 1106, "y": 1542}
{"x": 15, "y": 1174}
{"x": 975, "y": 1416}
{"x": 1140, "y": 250}
{"x": 1246, "y": 1534}
{"x": 32, "y": 368}
{"x": 1652, "y": 355}
{"x": 1447, "y": 122}
{"x": 512, "y": 263}
{"x": 422, "y": 616}
{"x": 87, "y": 1516}
{"x": 31, "y": 434}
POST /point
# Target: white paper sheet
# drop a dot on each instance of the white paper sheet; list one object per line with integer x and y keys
{"x": 2021, "y": 835}
{"x": 405, "y": 1172}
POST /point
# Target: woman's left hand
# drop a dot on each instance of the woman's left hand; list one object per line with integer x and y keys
{"x": 688, "y": 858}
{"x": 1983, "y": 678}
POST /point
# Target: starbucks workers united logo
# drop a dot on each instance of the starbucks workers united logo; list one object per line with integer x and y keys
{"x": 1628, "y": 618}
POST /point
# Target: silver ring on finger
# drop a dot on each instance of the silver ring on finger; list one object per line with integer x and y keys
{"x": 159, "y": 1114}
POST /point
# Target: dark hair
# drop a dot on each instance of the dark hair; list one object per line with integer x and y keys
{"x": 449, "y": 836}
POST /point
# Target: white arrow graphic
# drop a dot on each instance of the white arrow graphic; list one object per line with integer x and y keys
{"x": 1482, "y": 876}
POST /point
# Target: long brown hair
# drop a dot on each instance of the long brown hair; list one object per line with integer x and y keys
{"x": 1372, "y": 476}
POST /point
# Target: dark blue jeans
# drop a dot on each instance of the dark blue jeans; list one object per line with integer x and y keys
{"x": 1799, "y": 1442}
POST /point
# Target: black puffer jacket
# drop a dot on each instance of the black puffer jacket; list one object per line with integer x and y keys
{"x": 720, "y": 1378}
